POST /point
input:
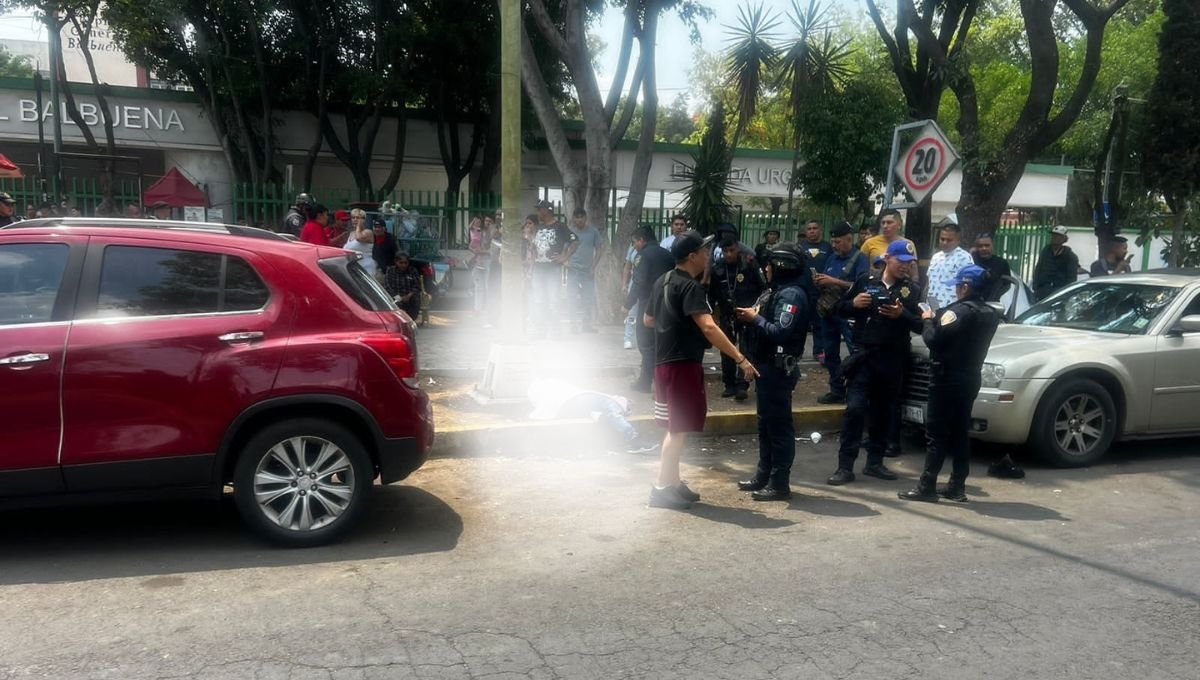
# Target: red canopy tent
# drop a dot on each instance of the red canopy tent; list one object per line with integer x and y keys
{"x": 175, "y": 190}
{"x": 9, "y": 169}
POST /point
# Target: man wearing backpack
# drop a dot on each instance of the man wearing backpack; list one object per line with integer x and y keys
{"x": 842, "y": 268}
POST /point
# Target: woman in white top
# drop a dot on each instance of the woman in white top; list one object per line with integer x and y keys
{"x": 362, "y": 240}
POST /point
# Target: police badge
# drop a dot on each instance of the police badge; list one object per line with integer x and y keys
{"x": 905, "y": 292}
{"x": 741, "y": 277}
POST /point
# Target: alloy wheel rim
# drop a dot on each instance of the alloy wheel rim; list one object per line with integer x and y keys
{"x": 304, "y": 483}
{"x": 1079, "y": 424}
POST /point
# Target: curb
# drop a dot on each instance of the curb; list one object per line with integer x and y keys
{"x": 463, "y": 442}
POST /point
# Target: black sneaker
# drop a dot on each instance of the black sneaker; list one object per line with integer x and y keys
{"x": 840, "y": 477}
{"x": 668, "y": 497}
{"x": 752, "y": 484}
{"x": 685, "y": 492}
{"x": 1005, "y": 469}
{"x": 740, "y": 395}
{"x": 892, "y": 452}
{"x": 831, "y": 398}
{"x": 880, "y": 472}
{"x": 729, "y": 392}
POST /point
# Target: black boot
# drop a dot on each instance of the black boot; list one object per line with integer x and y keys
{"x": 923, "y": 492}
{"x": 752, "y": 484}
{"x": 954, "y": 491}
{"x": 772, "y": 493}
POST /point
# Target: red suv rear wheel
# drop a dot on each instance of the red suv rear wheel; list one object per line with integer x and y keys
{"x": 302, "y": 481}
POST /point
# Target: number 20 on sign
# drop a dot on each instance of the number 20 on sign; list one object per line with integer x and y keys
{"x": 926, "y": 162}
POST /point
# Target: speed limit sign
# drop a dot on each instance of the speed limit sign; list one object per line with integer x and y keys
{"x": 926, "y": 162}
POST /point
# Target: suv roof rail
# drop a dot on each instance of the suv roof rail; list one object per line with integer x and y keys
{"x": 145, "y": 223}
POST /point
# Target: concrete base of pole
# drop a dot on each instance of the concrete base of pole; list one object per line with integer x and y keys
{"x": 507, "y": 376}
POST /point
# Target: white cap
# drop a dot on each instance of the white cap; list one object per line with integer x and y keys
{"x": 1060, "y": 230}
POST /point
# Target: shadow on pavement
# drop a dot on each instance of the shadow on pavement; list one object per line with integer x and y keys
{"x": 829, "y": 506}
{"x": 1013, "y": 510}
{"x": 742, "y": 517}
{"x": 156, "y": 539}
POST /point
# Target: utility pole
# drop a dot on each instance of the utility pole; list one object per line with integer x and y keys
{"x": 55, "y": 28}
{"x": 513, "y": 275}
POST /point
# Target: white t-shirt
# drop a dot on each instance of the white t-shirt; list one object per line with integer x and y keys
{"x": 367, "y": 262}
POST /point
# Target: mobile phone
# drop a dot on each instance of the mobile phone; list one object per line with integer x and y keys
{"x": 924, "y": 306}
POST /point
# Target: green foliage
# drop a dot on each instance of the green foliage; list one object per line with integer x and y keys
{"x": 845, "y": 144}
{"x": 752, "y": 56}
{"x": 674, "y": 125}
{"x": 1172, "y": 148}
{"x": 14, "y": 66}
{"x": 706, "y": 198}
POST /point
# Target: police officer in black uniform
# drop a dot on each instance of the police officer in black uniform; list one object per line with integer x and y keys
{"x": 958, "y": 338}
{"x": 293, "y": 223}
{"x": 774, "y": 341}
{"x": 883, "y": 307}
{"x": 8, "y": 210}
{"x": 735, "y": 281}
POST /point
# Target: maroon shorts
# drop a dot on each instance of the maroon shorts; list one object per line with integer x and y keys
{"x": 679, "y": 400}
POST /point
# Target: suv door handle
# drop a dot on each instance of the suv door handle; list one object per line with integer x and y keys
{"x": 245, "y": 336}
{"x": 29, "y": 358}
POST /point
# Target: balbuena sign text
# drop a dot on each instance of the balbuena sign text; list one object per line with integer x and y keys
{"x": 128, "y": 117}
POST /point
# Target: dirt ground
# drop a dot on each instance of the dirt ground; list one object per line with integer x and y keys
{"x": 454, "y": 406}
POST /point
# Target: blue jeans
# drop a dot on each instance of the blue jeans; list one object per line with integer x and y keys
{"x": 547, "y": 279}
{"x": 582, "y": 282}
{"x": 837, "y": 331}
{"x": 632, "y": 320}
{"x": 610, "y": 413}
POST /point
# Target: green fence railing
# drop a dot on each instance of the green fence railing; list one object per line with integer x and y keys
{"x": 83, "y": 193}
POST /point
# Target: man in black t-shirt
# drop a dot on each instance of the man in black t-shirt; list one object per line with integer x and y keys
{"x": 682, "y": 320}
{"x": 549, "y": 250}
{"x": 997, "y": 268}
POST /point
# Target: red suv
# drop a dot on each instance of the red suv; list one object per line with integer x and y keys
{"x": 143, "y": 358}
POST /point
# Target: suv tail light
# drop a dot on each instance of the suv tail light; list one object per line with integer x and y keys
{"x": 427, "y": 270}
{"x": 396, "y": 351}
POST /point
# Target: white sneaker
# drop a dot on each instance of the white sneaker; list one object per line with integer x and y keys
{"x": 628, "y": 344}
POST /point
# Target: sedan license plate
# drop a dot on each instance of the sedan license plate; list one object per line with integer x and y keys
{"x": 914, "y": 414}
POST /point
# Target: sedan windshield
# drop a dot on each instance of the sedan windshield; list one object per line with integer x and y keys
{"x": 1108, "y": 307}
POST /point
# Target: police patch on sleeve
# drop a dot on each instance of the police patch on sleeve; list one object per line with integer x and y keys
{"x": 948, "y": 318}
{"x": 789, "y": 313}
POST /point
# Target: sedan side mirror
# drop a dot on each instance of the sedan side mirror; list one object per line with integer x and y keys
{"x": 1189, "y": 324}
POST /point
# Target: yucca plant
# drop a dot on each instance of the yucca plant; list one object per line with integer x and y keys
{"x": 706, "y": 198}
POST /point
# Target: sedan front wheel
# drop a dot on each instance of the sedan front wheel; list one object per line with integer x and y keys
{"x": 1075, "y": 424}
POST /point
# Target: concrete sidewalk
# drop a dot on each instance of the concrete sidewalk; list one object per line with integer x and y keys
{"x": 457, "y": 345}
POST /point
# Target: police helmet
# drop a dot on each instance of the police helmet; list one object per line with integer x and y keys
{"x": 304, "y": 200}
{"x": 786, "y": 257}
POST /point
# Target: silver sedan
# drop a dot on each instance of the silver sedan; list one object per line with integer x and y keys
{"x": 1115, "y": 357}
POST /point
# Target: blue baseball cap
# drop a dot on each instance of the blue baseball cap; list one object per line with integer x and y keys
{"x": 973, "y": 275}
{"x": 902, "y": 249}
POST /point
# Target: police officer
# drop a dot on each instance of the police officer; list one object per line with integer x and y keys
{"x": 735, "y": 281}
{"x": 293, "y": 223}
{"x": 8, "y": 210}
{"x": 958, "y": 338}
{"x": 884, "y": 311}
{"x": 775, "y": 340}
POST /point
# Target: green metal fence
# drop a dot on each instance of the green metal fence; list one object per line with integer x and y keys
{"x": 79, "y": 192}
{"x": 1020, "y": 245}
{"x": 449, "y": 212}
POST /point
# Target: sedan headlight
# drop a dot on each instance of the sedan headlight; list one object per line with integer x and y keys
{"x": 991, "y": 375}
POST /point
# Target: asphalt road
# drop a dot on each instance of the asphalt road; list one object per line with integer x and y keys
{"x": 547, "y": 564}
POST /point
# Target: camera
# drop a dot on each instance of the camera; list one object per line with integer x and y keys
{"x": 880, "y": 295}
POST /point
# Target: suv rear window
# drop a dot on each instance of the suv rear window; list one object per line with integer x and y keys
{"x": 358, "y": 284}
{"x": 139, "y": 281}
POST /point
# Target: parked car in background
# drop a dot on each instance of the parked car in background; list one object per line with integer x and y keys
{"x": 1115, "y": 357}
{"x": 144, "y": 358}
